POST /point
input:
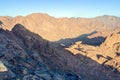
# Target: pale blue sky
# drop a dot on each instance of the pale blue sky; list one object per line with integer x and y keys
{"x": 61, "y": 8}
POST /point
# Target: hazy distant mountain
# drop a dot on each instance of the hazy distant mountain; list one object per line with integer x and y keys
{"x": 53, "y": 29}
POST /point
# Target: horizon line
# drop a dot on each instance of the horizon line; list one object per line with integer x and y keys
{"x": 24, "y": 15}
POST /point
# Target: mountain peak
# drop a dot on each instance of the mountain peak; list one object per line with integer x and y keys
{"x": 39, "y": 14}
{"x": 106, "y": 16}
{"x": 18, "y": 27}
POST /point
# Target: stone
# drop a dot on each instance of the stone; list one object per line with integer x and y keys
{"x": 3, "y": 68}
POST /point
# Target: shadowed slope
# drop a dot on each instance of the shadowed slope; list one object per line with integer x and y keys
{"x": 95, "y": 41}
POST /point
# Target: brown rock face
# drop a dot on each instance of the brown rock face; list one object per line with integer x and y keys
{"x": 107, "y": 53}
{"x": 114, "y": 63}
{"x": 112, "y": 40}
{"x": 54, "y": 29}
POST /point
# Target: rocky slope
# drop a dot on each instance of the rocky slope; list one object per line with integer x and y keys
{"x": 26, "y": 56}
{"x": 54, "y": 29}
{"x": 107, "y": 53}
{"x": 23, "y": 55}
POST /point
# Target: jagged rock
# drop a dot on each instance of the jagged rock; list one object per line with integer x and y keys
{"x": 115, "y": 63}
{"x": 31, "y": 77}
{"x": 112, "y": 40}
{"x": 3, "y": 68}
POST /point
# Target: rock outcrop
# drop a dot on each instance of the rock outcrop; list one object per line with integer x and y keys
{"x": 107, "y": 53}
{"x": 3, "y": 68}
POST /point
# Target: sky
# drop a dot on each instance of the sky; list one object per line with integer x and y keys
{"x": 60, "y": 8}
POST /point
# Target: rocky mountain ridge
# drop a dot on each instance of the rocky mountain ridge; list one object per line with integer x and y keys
{"x": 79, "y": 48}
{"x": 61, "y": 28}
{"x": 108, "y": 52}
{"x": 20, "y": 52}
{"x": 26, "y": 56}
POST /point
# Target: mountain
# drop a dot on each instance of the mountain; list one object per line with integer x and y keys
{"x": 41, "y": 47}
{"x": 54, "y": 29}
{"x": 106, "y": 53}
{"x": 25, "y": 55}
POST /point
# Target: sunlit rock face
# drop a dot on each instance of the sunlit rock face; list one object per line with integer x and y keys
{"x": 54, "y": 29}
{"x": 3, "y": 68}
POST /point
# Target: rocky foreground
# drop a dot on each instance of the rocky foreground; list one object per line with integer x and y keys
{"x": 27, "y": 56}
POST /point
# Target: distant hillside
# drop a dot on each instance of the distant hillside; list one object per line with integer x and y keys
{"x": 54, "y": 29}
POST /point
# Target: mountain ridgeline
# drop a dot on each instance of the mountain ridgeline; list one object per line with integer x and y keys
{"x": 27, "y": 56}
{"x": 54, "y": 29}
{"x": 41, "y": 47}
